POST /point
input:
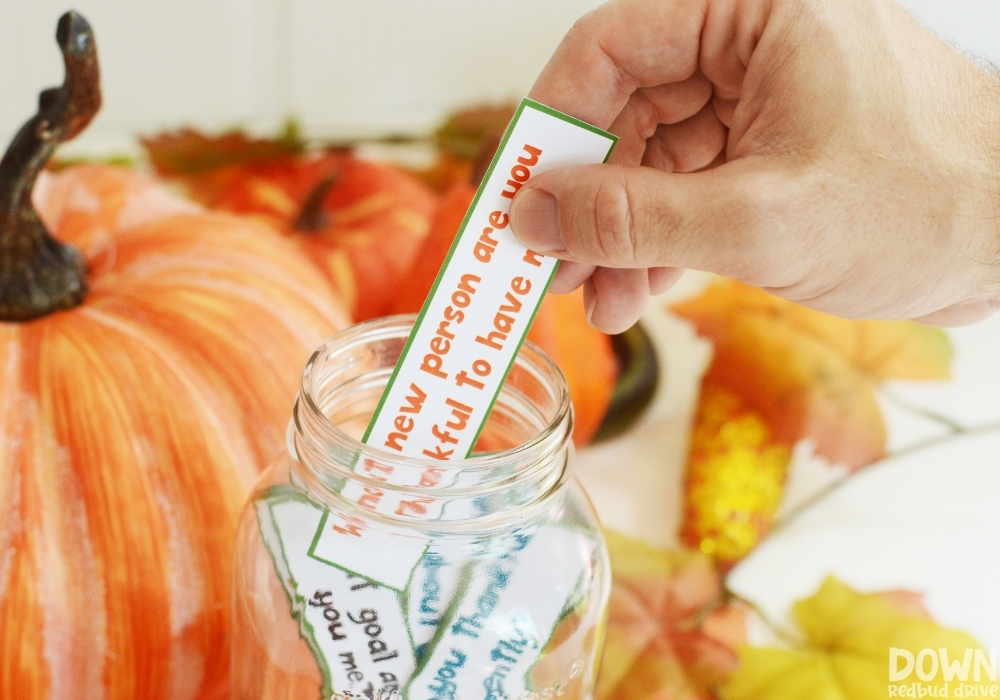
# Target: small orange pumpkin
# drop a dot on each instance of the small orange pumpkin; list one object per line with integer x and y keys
{"x": 133, "y": 425}
{"x": 359, "y": 221}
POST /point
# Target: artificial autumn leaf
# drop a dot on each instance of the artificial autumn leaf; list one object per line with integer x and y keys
{"x": 809, "y": 374}
{"x": 669, "y": 635}
{"x": 464, "y": 132}
{"x": 781, "y": 373}
{"x": 466, "y": 142}
{"x": 190, "y": 152}
{"x": 846, "y": 653}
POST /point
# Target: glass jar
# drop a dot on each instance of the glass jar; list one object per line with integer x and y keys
{"x": 361, "y": 573}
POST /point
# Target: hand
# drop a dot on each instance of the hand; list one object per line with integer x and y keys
{"x": 833, "y": 153}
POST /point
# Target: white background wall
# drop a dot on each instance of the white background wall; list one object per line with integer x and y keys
{"x": 342, "y": 67}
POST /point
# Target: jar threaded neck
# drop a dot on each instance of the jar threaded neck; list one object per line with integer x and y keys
{"x": 521, "y": 457}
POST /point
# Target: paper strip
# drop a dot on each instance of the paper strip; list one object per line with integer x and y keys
{"x": 483, "y": 301}
{"x": 493, "y": 637}
{"x": 355, "y": 628}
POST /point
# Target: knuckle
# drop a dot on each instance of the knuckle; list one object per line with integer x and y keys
{"x": 644, "y": 114}
{"x": 587, "y": 22}
{"x": 768, "y": 239}
{"x": 611, "y": 222}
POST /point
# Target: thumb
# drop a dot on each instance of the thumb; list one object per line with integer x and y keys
{"x": 720, "y": 220}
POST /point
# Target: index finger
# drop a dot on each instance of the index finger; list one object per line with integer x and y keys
{"x": 618, "y": 48}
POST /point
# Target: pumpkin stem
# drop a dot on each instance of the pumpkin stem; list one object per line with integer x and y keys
{"x": 38, "y": 274}
{"x": 311, "y": 217}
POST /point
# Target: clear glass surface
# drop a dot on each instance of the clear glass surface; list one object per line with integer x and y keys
{"x": 360, "y": 573}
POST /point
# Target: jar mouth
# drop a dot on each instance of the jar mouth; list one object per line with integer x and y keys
{"x": 342, "y": 382}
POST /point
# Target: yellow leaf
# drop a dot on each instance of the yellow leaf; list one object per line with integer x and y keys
{"x": 848, "y": 652}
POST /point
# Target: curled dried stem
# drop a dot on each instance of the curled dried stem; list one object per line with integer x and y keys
{"x": 39, "y": 275}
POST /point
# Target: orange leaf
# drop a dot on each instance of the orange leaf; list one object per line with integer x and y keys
{"x": 189, "y": 152}
{"x": 465, "y": 131}
{"x": 668, "y": 634}
{"x": 809, "y": 374}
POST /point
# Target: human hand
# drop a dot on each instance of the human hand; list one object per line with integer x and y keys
{"x": 833, "y": 153}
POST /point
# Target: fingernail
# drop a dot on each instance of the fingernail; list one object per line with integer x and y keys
{"x": 535, "y": 221}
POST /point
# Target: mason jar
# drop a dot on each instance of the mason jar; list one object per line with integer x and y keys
{"x": 361, "y": 573}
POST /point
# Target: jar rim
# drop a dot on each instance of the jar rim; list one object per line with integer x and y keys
{"x": 557, "y": 430}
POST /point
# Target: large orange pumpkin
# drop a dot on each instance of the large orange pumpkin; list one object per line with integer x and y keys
{"x": 132, "y": 425}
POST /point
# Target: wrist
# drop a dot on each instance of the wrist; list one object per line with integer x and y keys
{"x": 985, "y": 251}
